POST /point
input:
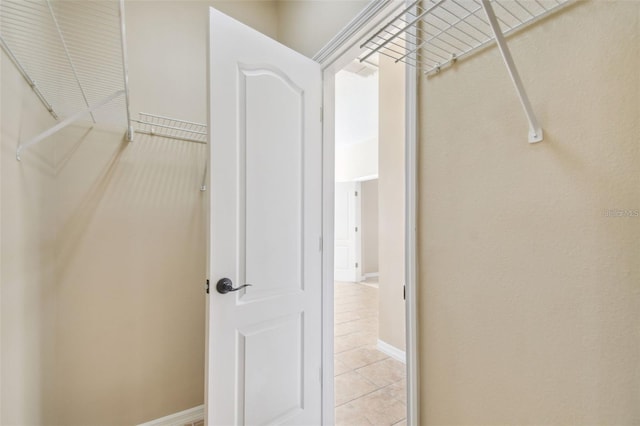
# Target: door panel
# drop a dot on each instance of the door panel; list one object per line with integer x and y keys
{"x": 272, "y": 216}
{"x": 264, "y": 341}
{"x": 273, "y": 359}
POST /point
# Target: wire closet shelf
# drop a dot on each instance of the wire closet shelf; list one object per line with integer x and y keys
{"x": 433, "y": 34}
{"x": 172, "y": 128}
{"x": 73, "y": 55}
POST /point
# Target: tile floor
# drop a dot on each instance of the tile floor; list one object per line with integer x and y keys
{"x": 369, "y": 386}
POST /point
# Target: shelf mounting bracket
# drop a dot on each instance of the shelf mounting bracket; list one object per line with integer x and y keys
{"x": 535, "y": 131}
{"x": 64, "y": 123}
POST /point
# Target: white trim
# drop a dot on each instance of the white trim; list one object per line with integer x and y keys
{"x": 327, "y": 239}
{"x": 411, "y": 240}
{"x": 392, "y": 351}
{"x": 179, "y": 419}
{"x": 368, "y": 275}
{"x": 339, "y": 52}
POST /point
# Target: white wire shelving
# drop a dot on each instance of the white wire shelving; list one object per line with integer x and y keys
{"x": 432, "y": 35}
{"x": 449, "y": 30}
{"x": 73, "y": 55}
{"x": 173, "y": 128}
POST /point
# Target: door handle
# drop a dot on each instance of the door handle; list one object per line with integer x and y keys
{"x": 225, "y": 285}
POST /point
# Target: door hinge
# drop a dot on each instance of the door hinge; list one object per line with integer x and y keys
{"x": 356, "y": 264}
{"x": 356, "y": 193}
{"x": 206, "y": 286}
{"x": 356, "y": 229}
{"x": 321, "y": 114}
{"x": 404, "y": 292}
{"x": 320, "y": 243}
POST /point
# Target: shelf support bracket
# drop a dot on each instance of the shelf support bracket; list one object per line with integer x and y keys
{"x": 535, "y": 131}
{"x": 64, "y": 123}
{"x": 203, "y": 185}
{"x": 27, "y": 78}
{"x": 125, "y": 69}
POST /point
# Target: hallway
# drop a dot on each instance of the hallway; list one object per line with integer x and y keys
{"x": 370, "y": 387}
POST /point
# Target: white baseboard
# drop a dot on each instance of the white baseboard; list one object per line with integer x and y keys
{"x": 368, "y": 275}
{"x": 179, "y": 419}
{"x": 392, "y": 351}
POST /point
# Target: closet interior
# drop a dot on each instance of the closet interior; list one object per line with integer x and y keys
{"x": 103, "y": 168}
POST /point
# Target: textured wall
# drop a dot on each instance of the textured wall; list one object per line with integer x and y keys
{"x": 27, "y": 256}
{"x": 307, "y": 26}
{"x": 131, "y": 267}
{"x": 529, "y": 294}
{"x": 391, "y": 201}
{"x": 167, "y": 47}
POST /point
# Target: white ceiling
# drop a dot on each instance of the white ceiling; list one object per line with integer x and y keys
{"x": 356, "y": 118}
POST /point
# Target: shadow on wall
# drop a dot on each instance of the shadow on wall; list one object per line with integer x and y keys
{"x": 129, "y": 333}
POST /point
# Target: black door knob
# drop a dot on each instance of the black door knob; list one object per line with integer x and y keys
{"x": 225, "y": 286}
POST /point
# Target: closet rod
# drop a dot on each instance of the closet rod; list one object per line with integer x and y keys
{"x": 64, "y": 123}
{"x": 125, "y": 68}
{"x": 66, "y": 52}
{"x": 28, "y": 79}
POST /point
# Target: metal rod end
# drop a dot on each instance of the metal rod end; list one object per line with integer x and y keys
{"x": 203, "y": 188}
{"x": 535, "y": 136}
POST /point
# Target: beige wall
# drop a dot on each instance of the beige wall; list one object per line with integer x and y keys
{"x": 529, "y": 295}
{"x": 167, "y": 47}
{"x": 27, "y": 257}
{"x": 369, "y": 225}
{"x": 391, "y": 191}
{"x": 307, "y": 26}
{"x": 131, "y": 268}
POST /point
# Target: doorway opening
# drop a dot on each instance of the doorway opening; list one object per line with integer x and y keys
{"x": 369, "y": 244}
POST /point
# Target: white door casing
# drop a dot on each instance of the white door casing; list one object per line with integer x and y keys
{"x": 339, "y": 52}
{"x": 347, "y": 232}
{"x": 263, "y": 342}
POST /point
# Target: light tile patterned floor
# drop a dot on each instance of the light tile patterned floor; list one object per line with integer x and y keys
{"x": 370, "y": 386}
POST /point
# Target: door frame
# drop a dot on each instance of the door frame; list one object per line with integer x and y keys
{"x": 342, "y": 49}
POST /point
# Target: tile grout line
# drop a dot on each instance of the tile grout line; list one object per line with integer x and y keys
{"x": 356, "y": 303}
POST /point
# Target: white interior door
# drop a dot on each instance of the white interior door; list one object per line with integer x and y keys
{"x": 347, "y": 232}
{"x": 264, "y": 341}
